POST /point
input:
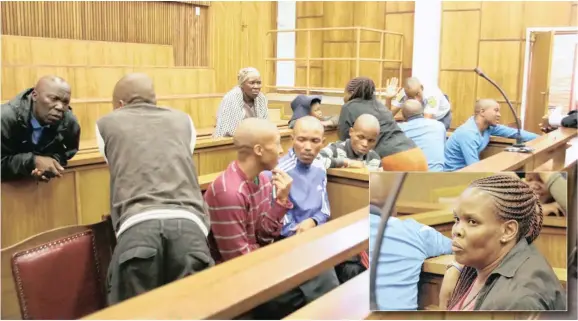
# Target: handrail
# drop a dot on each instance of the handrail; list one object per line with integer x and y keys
{"x": 357, "y": 57}
{"x": 168, "y": 97}
{"x": 257, "y": 277}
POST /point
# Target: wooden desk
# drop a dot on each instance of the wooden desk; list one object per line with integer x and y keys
{"x": 551, "y": 146}
{"x": 347, "y": 189}
{"x": 552, "y": 242}
{"x": 257, "y": 276}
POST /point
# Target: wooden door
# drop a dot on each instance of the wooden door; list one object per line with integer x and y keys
{"x": 538, "y": 92}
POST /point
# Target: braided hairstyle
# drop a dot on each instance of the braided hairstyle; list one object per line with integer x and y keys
{"x": 513, "y": 200}
{"x": 361, "y": 87}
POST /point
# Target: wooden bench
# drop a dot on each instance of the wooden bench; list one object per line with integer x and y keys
{"x": 257, "y": 277}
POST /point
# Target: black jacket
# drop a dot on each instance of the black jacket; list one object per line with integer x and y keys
{"x": 59, "y": 141}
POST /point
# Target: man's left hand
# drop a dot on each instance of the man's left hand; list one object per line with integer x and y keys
{"x": 305, "y": 225}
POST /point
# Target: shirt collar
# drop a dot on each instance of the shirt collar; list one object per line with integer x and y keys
{"x": 350, "y": 152}
{"x": 298, "y": 163}
{"x": 418, "y": 116}
{"x": 514, "y": 259}
{"x": 35, "y": 123}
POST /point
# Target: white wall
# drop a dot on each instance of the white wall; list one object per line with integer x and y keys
{"x": 426, "y": 40}
{"x": 286, "y": 19}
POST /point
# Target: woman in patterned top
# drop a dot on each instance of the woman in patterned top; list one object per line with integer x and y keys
{"x": 243, "y": 101}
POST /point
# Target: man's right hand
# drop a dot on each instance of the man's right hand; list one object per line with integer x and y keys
{"x": 392, "y": 88}
{"x": 354, "y": 163}
{"x": 282, "y": 182}
{"x": 45, "y": 163}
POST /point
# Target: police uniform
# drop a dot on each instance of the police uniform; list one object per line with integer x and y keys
{"x": 434, "y": 103}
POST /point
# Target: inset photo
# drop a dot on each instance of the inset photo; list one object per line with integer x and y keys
{"x": 468, "y": 241}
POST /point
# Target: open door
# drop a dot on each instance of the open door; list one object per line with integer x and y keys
{"x": 542, "y": 44}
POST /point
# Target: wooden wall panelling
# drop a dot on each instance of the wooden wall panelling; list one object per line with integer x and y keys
{"x": 256, "y": 16}
{"x": 403, "y": 23}
{"x": 500, "y": 61}
{"x": 459, "y": 40}
{"x": 158, "y": 22}
{"x": 508, "y": 14}
{"x": 546, "y": 13}
{"x": 574, "y": 14}
{"x": 460, "y": 86}
{"x": 21, "y": 50}
{"x": 461, "y": 5}
{"x": 27, "y": 218}
{"x": 315, "y": 50}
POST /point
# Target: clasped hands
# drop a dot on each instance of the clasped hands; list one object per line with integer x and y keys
{"x": 45, "y": 164}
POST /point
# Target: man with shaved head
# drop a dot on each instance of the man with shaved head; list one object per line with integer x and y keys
{"x": 356, "y": 151}
{"x": 463, "y": 148}
{"x": 428, "y": 134}
{"x": 39, "y": 132}
{"x": 434, "y": 103}
{"x": 157, "y": 208}
{"x": 308, "y": 194}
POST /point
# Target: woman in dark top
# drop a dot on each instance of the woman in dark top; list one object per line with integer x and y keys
{"x": 397, "y": 151}
{"x": 496, "y": 220}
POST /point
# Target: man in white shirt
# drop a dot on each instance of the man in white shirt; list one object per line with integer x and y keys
{"x": 435, "y": 103}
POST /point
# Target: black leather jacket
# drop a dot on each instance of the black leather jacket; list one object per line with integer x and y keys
{"x": 59, "y": 141}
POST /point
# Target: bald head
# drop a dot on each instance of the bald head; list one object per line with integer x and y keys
{"x": 483, "y": 104}
{"x": 366, "y": 122}
{"x": 307, "y": 138}
{"x": 308, "y": 123}
{"x": 411, "y": 108}
{"x": 51, "y": 97}
{"x": 134, "y": 88}
{"x": 413, "y": 88}
{"x": 363, "y": 135}
{"x": 258, "y": 140}
{"x": 488, "y": 111}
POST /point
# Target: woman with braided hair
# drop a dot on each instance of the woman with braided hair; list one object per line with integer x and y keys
{"x": 496, "y": 220}
{"x": 397, "y": 151}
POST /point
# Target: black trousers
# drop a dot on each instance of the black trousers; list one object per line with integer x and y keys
{"x": 349, "y": 269}
{"x": 154, "y": 253}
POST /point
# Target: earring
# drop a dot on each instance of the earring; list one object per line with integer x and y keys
{"x": 503, "y": 241}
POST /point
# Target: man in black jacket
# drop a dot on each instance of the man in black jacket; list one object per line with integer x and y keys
{"x": 39, "y": 132}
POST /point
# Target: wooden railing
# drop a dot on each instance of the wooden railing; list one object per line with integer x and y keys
{"x": 235, "y": 287}
{"x": 357, "y": 59}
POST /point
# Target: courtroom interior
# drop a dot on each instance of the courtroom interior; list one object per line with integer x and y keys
{"x": 157, "y": 155}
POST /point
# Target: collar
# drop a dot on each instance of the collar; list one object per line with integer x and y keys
{"x": 238, "y": 170}
{"x": 350, "y": 152}
{"x": 298, "y": 163}
{"x": 35, "y": 123}
{"x": 418, "y": 116}
{"x": 514, "y": 259}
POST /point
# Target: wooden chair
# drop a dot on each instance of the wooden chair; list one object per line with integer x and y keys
{"x": 58, "y": 274}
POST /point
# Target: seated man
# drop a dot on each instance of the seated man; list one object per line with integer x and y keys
{"x": 245, "y": 216}
{"x": 405, "y": 247}
{"x": 427, "y": 134}
{"x": 158, "y": 211}
{"x": 310, "y": 106}
{"x": 39, "y": 132}
{"x": 356, "y": 151}
{"x": 463, "y": 148}
{"x": 435, "y": 104}
{"x": 309, "y": 191}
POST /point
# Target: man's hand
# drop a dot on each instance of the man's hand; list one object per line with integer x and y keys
{"x": 354, "y": 164}
{"x": 305, "y": 225}
{"x": 545, "y": 124}
{"x": 391, "y": 88}
{"x": 44, "y": 163}
{"x": 282, "y": 182}
{"x": 552, "y": 209}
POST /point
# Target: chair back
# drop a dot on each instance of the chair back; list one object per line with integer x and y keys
{"x": 58, "y": 274}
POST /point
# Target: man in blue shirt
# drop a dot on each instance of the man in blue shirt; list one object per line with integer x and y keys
{"x": 405, "y": 247}
{"x": 463, "y": 148}
{"x": 428, "y": 134}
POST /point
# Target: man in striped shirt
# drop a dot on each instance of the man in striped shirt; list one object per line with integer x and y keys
{"x": 244, "y": 215}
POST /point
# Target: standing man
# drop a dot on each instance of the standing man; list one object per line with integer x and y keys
{"x": 463, "y": 148}
{"x": 435, "y": 104}
{"x": 427, "y": 134}
{"x": 157, "y": 210}
{"x": 39, "y": 132}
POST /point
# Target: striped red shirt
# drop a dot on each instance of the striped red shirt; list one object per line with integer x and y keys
{"x": 244, "y": 216}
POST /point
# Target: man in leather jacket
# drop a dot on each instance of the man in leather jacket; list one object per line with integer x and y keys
{"x": 39, "y": 132}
